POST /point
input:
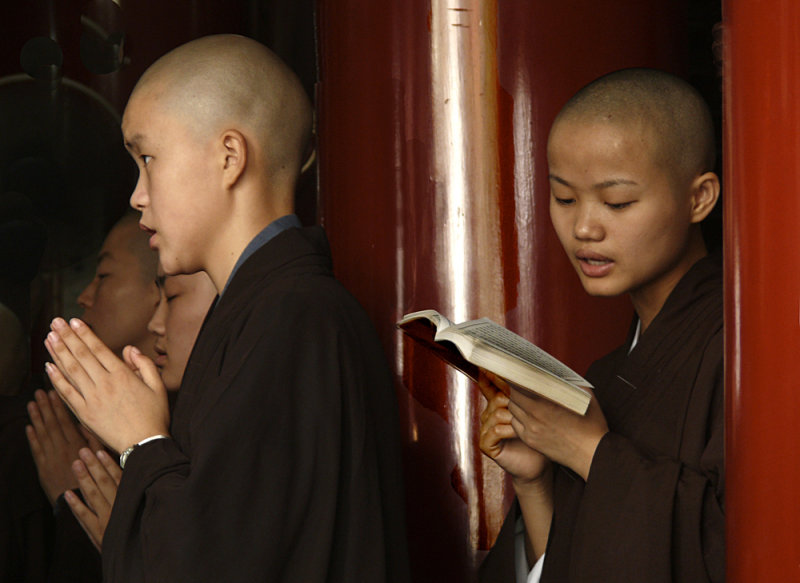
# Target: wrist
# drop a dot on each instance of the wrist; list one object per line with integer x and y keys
{"x": 584, "y": 465}
{"x": 541, "y": 485}
{"x": 123, "y": 457}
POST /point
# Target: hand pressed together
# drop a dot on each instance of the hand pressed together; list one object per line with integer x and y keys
{"x": 121, "y": 402}
{"x": 98, "y": 476}
{"x": 55, "y": 440}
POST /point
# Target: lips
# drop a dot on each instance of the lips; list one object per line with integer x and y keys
{"x": 161, "y": 356}
{"x": 152, "y": 233}
{"x": 594, "y": 264}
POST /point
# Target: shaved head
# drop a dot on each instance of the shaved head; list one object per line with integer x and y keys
{"x": 672, "y": 112}
{"x": 224, "y": 82}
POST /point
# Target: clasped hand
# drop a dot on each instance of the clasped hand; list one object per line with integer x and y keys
{"x": 121, "y": 402}
{"x": 549, "y": 429}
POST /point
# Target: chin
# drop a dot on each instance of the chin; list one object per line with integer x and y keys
{"x": 601, "y": 289}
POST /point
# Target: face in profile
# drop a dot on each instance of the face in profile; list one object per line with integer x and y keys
{"x": 120, "y": 300}
{"x": 175, "y": 191}
{"x": 185, "y": 300}
{"x": 621, "y": 216}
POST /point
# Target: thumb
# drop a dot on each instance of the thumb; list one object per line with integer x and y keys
{"x": 145, "y": 367}
{"x": 128, "y": 355}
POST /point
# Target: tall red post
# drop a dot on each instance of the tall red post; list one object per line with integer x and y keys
{"x": 433, "y": 122}
{"x": 762, "y": 206}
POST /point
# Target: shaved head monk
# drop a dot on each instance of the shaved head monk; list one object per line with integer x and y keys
{"x": 635, "y": 489}
{"x": 280, "y": 461}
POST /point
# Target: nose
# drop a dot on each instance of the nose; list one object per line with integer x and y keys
{"x": 588, "y": 225}
{"x": 157, "y": 323}
{"x": 86, "y": 299}
{"x": 139, "y": 197}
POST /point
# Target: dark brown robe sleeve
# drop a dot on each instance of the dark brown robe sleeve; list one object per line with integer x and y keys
{"x": 651, "y": 517}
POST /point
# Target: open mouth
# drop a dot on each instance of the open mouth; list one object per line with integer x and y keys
{"x": 594, "y": 264}
{"x": 592, "y": 258}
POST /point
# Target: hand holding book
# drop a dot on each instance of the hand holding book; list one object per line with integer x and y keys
{"x": 485, "y": 344}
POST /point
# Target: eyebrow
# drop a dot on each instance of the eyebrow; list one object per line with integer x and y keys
{"x": 103, "y": 255}
{"x": 600, "y": 185}
{"x": 132, "y": 143}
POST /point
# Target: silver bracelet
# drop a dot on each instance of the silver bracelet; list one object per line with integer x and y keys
{"x": 124, "y": 455}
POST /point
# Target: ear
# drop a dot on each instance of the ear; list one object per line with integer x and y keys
{"x": 234, "y": 147}
{"x": 705, "y": 193}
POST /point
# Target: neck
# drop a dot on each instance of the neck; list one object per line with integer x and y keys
{"x": 649, "y": 299}
{"x": 229, "y": 253}
{"x": 253, "y": 202}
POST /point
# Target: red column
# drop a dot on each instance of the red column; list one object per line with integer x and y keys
{"x": 762, "y": 205}
{"x": 433, "y": 120}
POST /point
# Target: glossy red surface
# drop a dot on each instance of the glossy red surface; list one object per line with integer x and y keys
{"x": 433, "y": 119}
{"x": 762, "y": 206}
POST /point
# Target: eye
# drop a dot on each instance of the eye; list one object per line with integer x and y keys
{"x": 172, "y": 297}
{"x": 146, "y": 159}
{"x": 563, "y": 201}
{"x": 618, "y": 206}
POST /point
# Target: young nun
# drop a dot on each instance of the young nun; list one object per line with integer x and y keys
{"x": 634, "y": 490}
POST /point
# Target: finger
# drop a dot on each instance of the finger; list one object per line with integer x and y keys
{"x": 488, "y": 390}
{"x": 112, "y": 467}
{"x": 81, "y": 357}
{"x": 70, "y": 367}
{"x": 103, "y": 480}
{"x": 38, "y": 425}
{"x": 71, "y": 396}
{"x": 499, "y": 417}
{"x": 499, "y": 382}
{"x": 36, "y": 447}
{"x": 144, "y": 366}
{"x": 87, "y": 519}
{"x": 102, "y": 354}
{"x": 492, "y": 438}
{"x": 65, "y": 422}
{"x": 497, "y": 403}
{"x": 522, "y": 415}
{"x": 92, "y": 495}
{"x": 51, "y": 424}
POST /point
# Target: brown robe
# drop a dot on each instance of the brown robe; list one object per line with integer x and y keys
{"x": 284, "y": 460}
{"x": 652, "y": 509}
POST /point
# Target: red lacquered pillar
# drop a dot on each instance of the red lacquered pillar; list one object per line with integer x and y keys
{"x": 762, "y": 206}
{"x": 433, "y": 122}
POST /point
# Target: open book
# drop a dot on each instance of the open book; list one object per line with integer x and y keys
{"x": 482, "y": 343}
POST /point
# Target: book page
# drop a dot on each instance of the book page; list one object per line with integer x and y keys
{"x": 502, "y": 339}
{"x": 439, "y": 321}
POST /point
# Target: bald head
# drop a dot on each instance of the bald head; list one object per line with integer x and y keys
{"x": 226, "y": 82}
{"x": 673, "y": 114}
